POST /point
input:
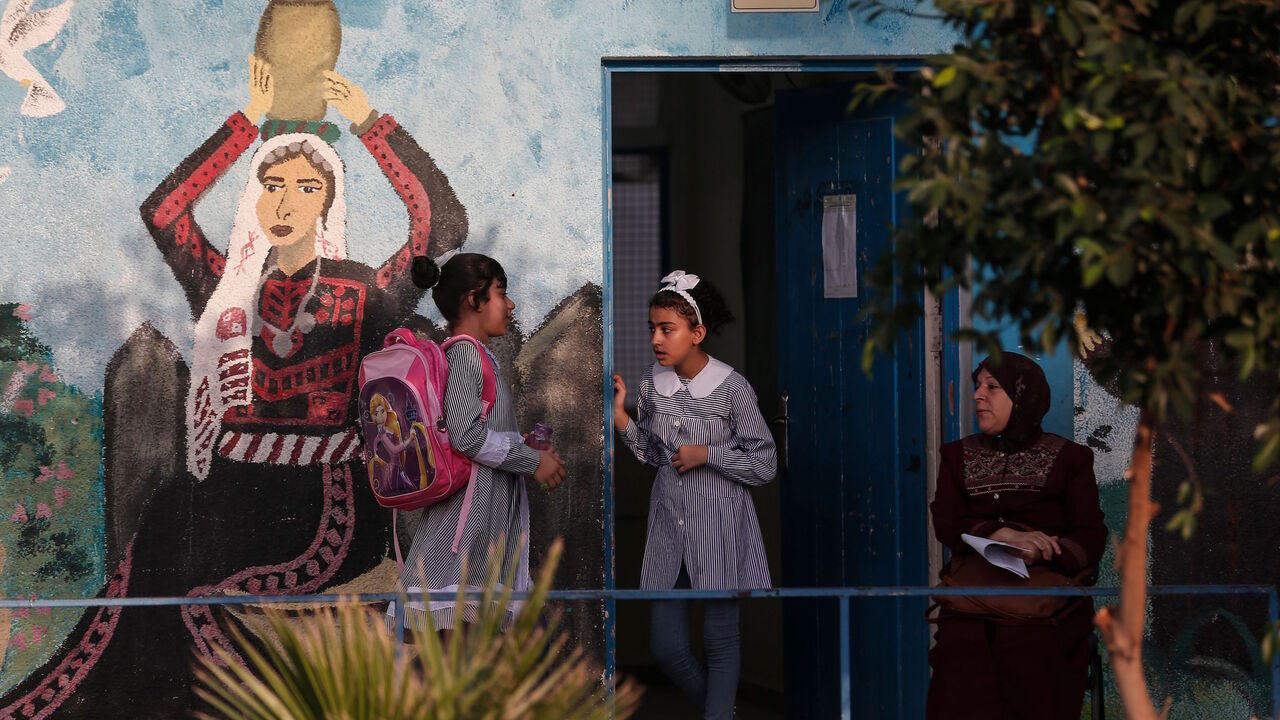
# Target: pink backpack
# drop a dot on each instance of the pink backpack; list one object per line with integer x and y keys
{"x": 410, "y": 461}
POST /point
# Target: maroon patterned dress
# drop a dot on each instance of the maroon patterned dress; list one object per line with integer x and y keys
{"x": 993, "y": 670}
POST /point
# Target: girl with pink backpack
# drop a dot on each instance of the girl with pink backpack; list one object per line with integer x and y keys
{"x": 471, "y": 292}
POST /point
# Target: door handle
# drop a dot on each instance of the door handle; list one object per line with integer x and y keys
{"x": 783, "y": 422}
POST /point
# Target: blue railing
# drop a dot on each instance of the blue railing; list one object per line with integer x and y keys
{"x": 844, "y": 595}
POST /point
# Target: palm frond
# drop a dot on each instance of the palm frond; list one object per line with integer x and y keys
{"x": 340, "y": 662}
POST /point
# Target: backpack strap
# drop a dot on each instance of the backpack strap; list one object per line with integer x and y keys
{"x": 489, "y": 383}
{"x": 488, "y": 396}
{"x": 395, "y": 539}
{"x": 402, "y": 335}
{"x": 466, "y": 505}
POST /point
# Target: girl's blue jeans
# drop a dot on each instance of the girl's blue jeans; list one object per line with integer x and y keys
{"x": 711, "y": 686}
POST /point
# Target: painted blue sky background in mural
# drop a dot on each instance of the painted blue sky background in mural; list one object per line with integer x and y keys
{"x": 505, "y": 94}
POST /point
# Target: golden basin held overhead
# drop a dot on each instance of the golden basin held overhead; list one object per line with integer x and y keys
{"x": 301, "y": 40}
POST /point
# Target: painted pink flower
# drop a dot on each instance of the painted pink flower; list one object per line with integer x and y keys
{"x": 23, "y": 312}
{"x": 60, "y": 495}
{"x": 26, "y": 407}
{"x": 19, "y": 514}
{"x": 46, "y": 473}
{"x": 43, "y": 511}
{"x": 28, "y": 368}
{"x": 47, "y": 374}
{"x": 37, "y": 633}
{"x": 20, "y": 640}
{"x": 45, "y": 396}
{"x": 64, "y": 472}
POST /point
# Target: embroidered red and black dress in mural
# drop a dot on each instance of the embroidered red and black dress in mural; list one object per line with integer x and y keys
{"x": 282, "y": 510}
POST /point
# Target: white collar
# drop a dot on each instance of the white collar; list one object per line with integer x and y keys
{"x": 667, "y": 383}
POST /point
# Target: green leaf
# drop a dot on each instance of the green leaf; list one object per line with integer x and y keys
{"x": 1093, "y": 273}
{"x": 1205, "y": 17}
{"x": 1089, "y": 247}
{"x": 1267, "y": 455}
{"x": 1248, "y": 233}
{"x": 1102, "y": 143}
{"x": 1183, "y": 15}
{"x": 1208, "y": 170}
{"x": 1248, "y": 361}
{"x": 1239, "y": 339}
{"x": 945, "y": 77}
{"x": 1120, "y": 268}
{"x": 1268, "y": 644}
{"x": 1213, "y": 205}
{"x": 1068, "y": 27}
{"x": 1143, "y": 147}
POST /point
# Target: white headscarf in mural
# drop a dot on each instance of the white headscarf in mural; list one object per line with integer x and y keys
{"x": 222, "y": 362}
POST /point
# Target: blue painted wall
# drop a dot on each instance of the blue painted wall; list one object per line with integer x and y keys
{"x": 504, "y": 94}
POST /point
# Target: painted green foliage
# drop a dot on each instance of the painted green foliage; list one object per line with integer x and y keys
{"x": 51, "y": 499}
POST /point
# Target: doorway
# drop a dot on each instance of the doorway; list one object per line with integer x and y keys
{"x": 729, "y": 175}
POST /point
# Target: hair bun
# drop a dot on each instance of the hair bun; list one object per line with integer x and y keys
{"x": 425, "y": 272}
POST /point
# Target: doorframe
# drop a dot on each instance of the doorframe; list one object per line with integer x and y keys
{"x": 764, "y": 64}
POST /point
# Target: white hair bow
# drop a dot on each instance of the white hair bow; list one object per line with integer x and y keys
{"x": 446, "y": 256}
{"x": 680, "y": 282}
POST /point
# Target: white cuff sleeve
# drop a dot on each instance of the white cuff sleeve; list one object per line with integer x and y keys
{"x": 497, "y": 445}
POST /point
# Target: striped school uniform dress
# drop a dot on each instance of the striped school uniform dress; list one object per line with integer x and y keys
{"x": 704, "y": 518}
{"x": 499, "y": 509}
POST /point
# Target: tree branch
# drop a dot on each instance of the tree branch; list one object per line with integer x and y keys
{"x": 1122, "y": 633}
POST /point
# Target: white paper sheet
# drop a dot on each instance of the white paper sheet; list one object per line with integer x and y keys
{"x": 1002, "y": 555}
{"x": 840, "y": 246}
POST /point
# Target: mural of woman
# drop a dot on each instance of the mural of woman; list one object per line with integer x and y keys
{"x": 270, "y": 504}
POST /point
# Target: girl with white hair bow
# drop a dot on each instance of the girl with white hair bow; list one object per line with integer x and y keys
{"x": 697, "y": 423}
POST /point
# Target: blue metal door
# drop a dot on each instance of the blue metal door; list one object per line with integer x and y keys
{"x": 854, "y": 497}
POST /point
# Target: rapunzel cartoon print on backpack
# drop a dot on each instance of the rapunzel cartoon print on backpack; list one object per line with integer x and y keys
{"x": 397, "y": 464}
{"x": 410, "y": 461}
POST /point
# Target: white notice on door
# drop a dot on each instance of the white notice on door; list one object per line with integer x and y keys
{"x": 840, "y": 246}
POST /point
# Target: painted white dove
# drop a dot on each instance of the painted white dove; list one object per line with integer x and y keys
{"x": 21, "y": 31}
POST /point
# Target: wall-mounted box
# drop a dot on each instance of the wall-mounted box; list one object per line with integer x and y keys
{"x": 775, "y": 5}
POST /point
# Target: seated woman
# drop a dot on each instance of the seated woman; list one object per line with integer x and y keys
{"x": 1015, "y": 483}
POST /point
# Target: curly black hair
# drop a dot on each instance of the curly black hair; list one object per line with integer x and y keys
{"x": 715, "y": 309}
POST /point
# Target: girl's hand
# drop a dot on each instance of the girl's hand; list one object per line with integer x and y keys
{"x": 689, "y": 457}
{"x": 262, "y": 89}
{"x": 550, "y": 472}
{"x": 620, "y": 417}
{"x": 347, "y": 97}
{"x": 1036, "y": 546}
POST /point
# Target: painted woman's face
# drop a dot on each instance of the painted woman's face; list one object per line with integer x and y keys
{"x": 379, "y": 414}
{"x": 293, "y": 198}
{"x": 991, "y": 404}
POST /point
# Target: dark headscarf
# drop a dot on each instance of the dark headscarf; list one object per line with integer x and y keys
{"x": 1024, "y": 382}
